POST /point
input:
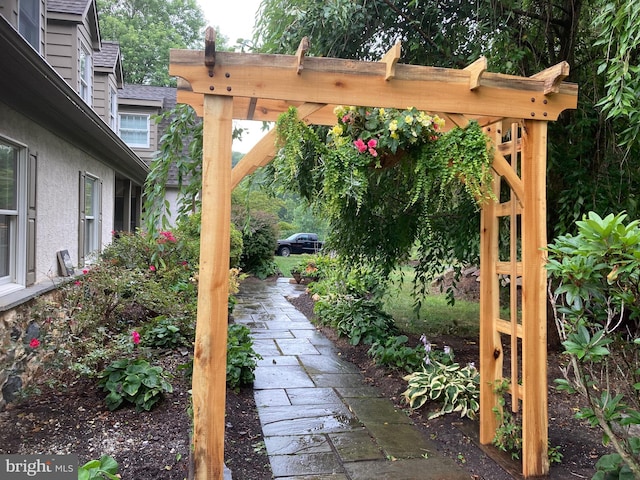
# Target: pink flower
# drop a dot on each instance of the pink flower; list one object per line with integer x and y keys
{"x": 360, "y": 145}
{"x": 346, "y": 118}
{"x": 135, "y": 336}
{"x": 77, "y": 283}
{"x": 372, "y": 143}
{"x": 34, "y": 343}
{"x": 372, "y": 152}
{"x": 167, "y": 237}
{"x": 152, "y": 268}
{"x": 85, "y": 271}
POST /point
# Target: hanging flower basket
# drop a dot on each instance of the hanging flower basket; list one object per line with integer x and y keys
{"x": 383, "y": 137}
{"x": 408, "y": 149}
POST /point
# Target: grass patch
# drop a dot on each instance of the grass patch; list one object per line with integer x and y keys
{"x": 436, "y": 317}
{"x": 286, "y": 263}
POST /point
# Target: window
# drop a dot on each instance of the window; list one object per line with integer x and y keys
{"x": 12, "y": 215}
{"x": 113, "y": 109}
{"x": 91, "y": 215}
{"x": 85, "y": 75}
{"x": 134, "y": 130}
{"x": 29, "y": 22}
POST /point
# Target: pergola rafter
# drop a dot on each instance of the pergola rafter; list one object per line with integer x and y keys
{"x": 223, "y": 86}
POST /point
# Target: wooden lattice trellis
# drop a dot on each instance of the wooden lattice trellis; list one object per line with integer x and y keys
{"x": 223, "y": 86}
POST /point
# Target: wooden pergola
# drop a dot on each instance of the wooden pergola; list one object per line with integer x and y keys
{"x": 222, "y": 86}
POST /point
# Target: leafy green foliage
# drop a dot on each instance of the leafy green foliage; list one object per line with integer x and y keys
{"x": 508, "y": 436}
{"x": 180, "y": 147}
{"x": 91, "y": 319}
{"x": 241, "y": 358}
{"x": 146, "y": 30}
{"x": 395, "y": 353}
{"x": 106, "y": 467}
{"x": 259, "y": 239}
{"x": 134, "y": 381}
{"x": 456, "y": 387}
{"x": 384, "y": 189}
{"x": 166, "y": 332}
{"x": 597, "y": 311}
{"x": 620, "y": 39}
{"x": 361, "y": 320}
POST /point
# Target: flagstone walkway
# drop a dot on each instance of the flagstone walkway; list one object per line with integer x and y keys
{"x": 319, "y": 418}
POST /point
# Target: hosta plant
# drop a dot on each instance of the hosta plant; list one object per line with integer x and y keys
{"x": 456, "y": 387}
{"x": 135, "y": 382}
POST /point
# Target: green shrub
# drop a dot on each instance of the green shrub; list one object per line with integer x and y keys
{"x": 188, "y": 228}
{"x": 359, "y": 319}
{"x": 596, "y": 275}
{"x": 241, "y": 358}
{"x": 134, "y": 381}
{"x": 259, "y": 239}
{"x": 395, "y": 353}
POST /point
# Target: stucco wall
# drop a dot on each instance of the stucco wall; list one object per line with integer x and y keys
{"x": 59, "y": 166}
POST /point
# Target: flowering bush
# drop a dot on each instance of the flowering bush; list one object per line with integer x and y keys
{"x": 378, "y": 132}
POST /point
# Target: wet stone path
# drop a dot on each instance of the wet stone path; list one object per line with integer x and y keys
{"x": 319, "y": 419}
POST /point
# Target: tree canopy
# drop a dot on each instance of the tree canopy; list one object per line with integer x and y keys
{"x": 592, "y": 151}
{"x": 147, "y": 30}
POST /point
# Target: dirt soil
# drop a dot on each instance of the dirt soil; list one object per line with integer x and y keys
{"x": 71, "y": 417}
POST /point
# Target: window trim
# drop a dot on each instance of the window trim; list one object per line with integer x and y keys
{"x": 148, "y": 129}
{"x": 88, "y": 251}
{"x": 85, "y": 76}
{"x": 113, "y": 109}
{"x": 32, "y": 24}
{"x": 18, "y": 242}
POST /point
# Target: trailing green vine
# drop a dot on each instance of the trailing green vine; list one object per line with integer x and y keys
{"x": 387, "y": 179}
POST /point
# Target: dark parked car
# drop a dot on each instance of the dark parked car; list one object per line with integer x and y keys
{"x": 299, "y": 243}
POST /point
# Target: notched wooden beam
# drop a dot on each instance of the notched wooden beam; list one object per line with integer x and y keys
{"x": 210, "y": 49}
{"x": 303, "y": 48}
{"x": 390, "y": 59}
{"x": 476, "y": 69}
{"x": 553, "y": 77}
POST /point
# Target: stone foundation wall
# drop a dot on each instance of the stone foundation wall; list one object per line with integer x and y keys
{"x": 20, "y": 361}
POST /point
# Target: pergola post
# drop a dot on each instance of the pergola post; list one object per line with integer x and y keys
{"x": 491, "y": 355}
{"x": 534, "y": 297}
{"x": 210, "y": 356}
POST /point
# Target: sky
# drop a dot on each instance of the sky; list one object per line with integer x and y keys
{"x": 235, "y": 19}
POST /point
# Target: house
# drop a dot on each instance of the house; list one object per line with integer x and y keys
{"x": 67, "y": 179}
{"x": 138, "y": 108}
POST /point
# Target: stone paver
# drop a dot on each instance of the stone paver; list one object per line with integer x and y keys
{"x": 319, "y": 418}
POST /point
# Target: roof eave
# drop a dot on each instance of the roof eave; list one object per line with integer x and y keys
{"x": 32, "y": 87}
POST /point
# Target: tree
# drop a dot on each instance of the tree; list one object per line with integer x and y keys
{"x": 147, "y": 30}
{"x": 587, "y": 168}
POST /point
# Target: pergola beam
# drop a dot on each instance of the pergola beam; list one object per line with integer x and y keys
{"x": 348, "y": 82}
